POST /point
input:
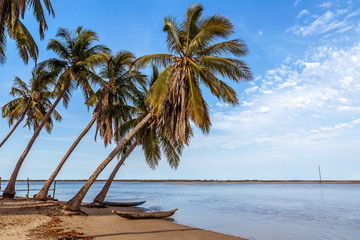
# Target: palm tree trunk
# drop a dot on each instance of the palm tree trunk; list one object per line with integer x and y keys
{"x": 74, "y": 203}
{"x": 9, "y": 191}
{"x": 13, "y": 129}
{"x": 101, "y": 196}
{"x": 42, "y": 194}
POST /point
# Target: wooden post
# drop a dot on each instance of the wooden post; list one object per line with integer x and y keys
{"x": 319, "y": 173}
{"x": 54, "y": 190}
{"x": 28, "y": 188}
{"x": 0, "y": 184}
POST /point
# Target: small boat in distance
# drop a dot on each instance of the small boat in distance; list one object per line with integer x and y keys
{"x": 123, "y": 204}
{"x": 144, "y": 215}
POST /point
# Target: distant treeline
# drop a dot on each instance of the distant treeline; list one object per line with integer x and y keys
{"x": 204, "y": 181}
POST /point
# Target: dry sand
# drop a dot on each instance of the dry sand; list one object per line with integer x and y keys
{"x": 29, "y": 219}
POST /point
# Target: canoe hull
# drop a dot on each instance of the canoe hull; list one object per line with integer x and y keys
{"x": 145, "y": 215}
{"x": 123, "y": 204}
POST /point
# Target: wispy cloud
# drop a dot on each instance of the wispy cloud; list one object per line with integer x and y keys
{"x": 303, "y": 13}
{"x": 333, "y": 20}
{"x": 296, "y": 3}
{"x": 326, "y": 5}
{"x": 315, "y": 103}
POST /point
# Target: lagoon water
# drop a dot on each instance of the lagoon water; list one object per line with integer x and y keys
{"x": 254, "y": 211}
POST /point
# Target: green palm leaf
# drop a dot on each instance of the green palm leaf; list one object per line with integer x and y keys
{"x": 200, "y": 57}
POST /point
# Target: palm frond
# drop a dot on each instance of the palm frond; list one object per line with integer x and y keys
{"x": 25, "y": 43}
{"x": 197, "y": 107}
{"x": 171, "y": 151}
{"x": 174, "y": 42}
{"x": 159, "y": 88}
{"x": 236, "y": 47}
{"x": 190, "y": 25}
{"x": 151, "y": 148}
{"x": 210, "y": 30}
{"x": 160, "y": 60}
{"x": 233, "y": 69}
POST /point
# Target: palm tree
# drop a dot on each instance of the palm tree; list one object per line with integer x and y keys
{"x": 150, "y": 139}
{"x": 78, "y": 55}
{"x": 108, "y": 100}
{"x": 175, "y": 98}
{"x": 151, "y": 147}
{"x": 10, "y": 24}
{"x": 31, "y": 102}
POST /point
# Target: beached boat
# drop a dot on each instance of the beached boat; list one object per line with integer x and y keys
{"x": 123, "y": 204}
{"x": 144, "y": 215}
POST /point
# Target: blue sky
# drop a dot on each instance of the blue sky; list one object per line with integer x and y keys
{"x": 301, "y": 110}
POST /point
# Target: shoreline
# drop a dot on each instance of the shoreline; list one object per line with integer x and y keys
{"x": 266, "y": 182}
{"x": 184, "y": 181}
{"x": 32, "y": 219}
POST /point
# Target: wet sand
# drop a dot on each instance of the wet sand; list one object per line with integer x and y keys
{"x": 29, "y": 219}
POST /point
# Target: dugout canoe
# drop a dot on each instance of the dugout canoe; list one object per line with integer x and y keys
{"x": 123, "y": 204}
{"x": 144, "y": 215}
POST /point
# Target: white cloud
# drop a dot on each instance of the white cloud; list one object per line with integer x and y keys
{"x": 260, "y": 32}
{"x": 264, "y": 109}
{"x": 251, "y": 90}
{"x": 247, "y": 104}
{"x": 314, "y": 101}
{"x": 303, "y": 13}
{"x": 222, "y": 105}
{"x": 348, "y": 108}
{"x": 267, "y": 91}
{"x": 329, "y": 22}
{"x": 289, "y": 83}
{"x": 322, "y": 24}
{"x": 344, "y": 100}
{"x": 296, "y": 3}
{"x": 326, "y": 5}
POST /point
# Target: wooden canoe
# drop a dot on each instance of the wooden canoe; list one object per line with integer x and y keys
{"x": 144, "y": 215}
{"x": 123, "y": 204}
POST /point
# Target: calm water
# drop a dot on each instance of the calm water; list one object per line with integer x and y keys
{"x": 254, "y": 211}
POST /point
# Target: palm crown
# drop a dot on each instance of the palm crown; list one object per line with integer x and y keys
{"x": 33, "y": 100}
{"x": 77, "y": 58}
{"x": 151, "y": 137}
{"x": 75, "y": 68}
{"x": 197, "y": 57}
{"x": 117, "y": 87}
{"x": 10, "y": 13}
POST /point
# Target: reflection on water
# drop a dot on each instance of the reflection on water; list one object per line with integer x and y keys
{"x": 254, "y": 211}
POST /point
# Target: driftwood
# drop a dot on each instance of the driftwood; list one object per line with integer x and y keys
{"x": 143, "y": 215}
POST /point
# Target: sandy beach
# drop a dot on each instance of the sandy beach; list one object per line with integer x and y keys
{"x": 23, "y": 218}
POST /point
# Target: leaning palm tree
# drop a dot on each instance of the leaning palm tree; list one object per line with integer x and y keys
{"x": 75, "y": 68}
{"x": 151, "y": 143}
{"x": 31, "y": 102}
{"x": 109, "y": 101}
{"x": 197, "y": 57}
{"x": 10, "y": 25}
{"x": 148, "y": 137}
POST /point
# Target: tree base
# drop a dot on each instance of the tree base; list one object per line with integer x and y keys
{"x": 40, "y": 197}
{"x": 71, "y": 207}
{"x": 8, "y": 195}
{"x": 98, "y": 200}
{"x": 95, "y": 205}
{"x": 65, "y": 212}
